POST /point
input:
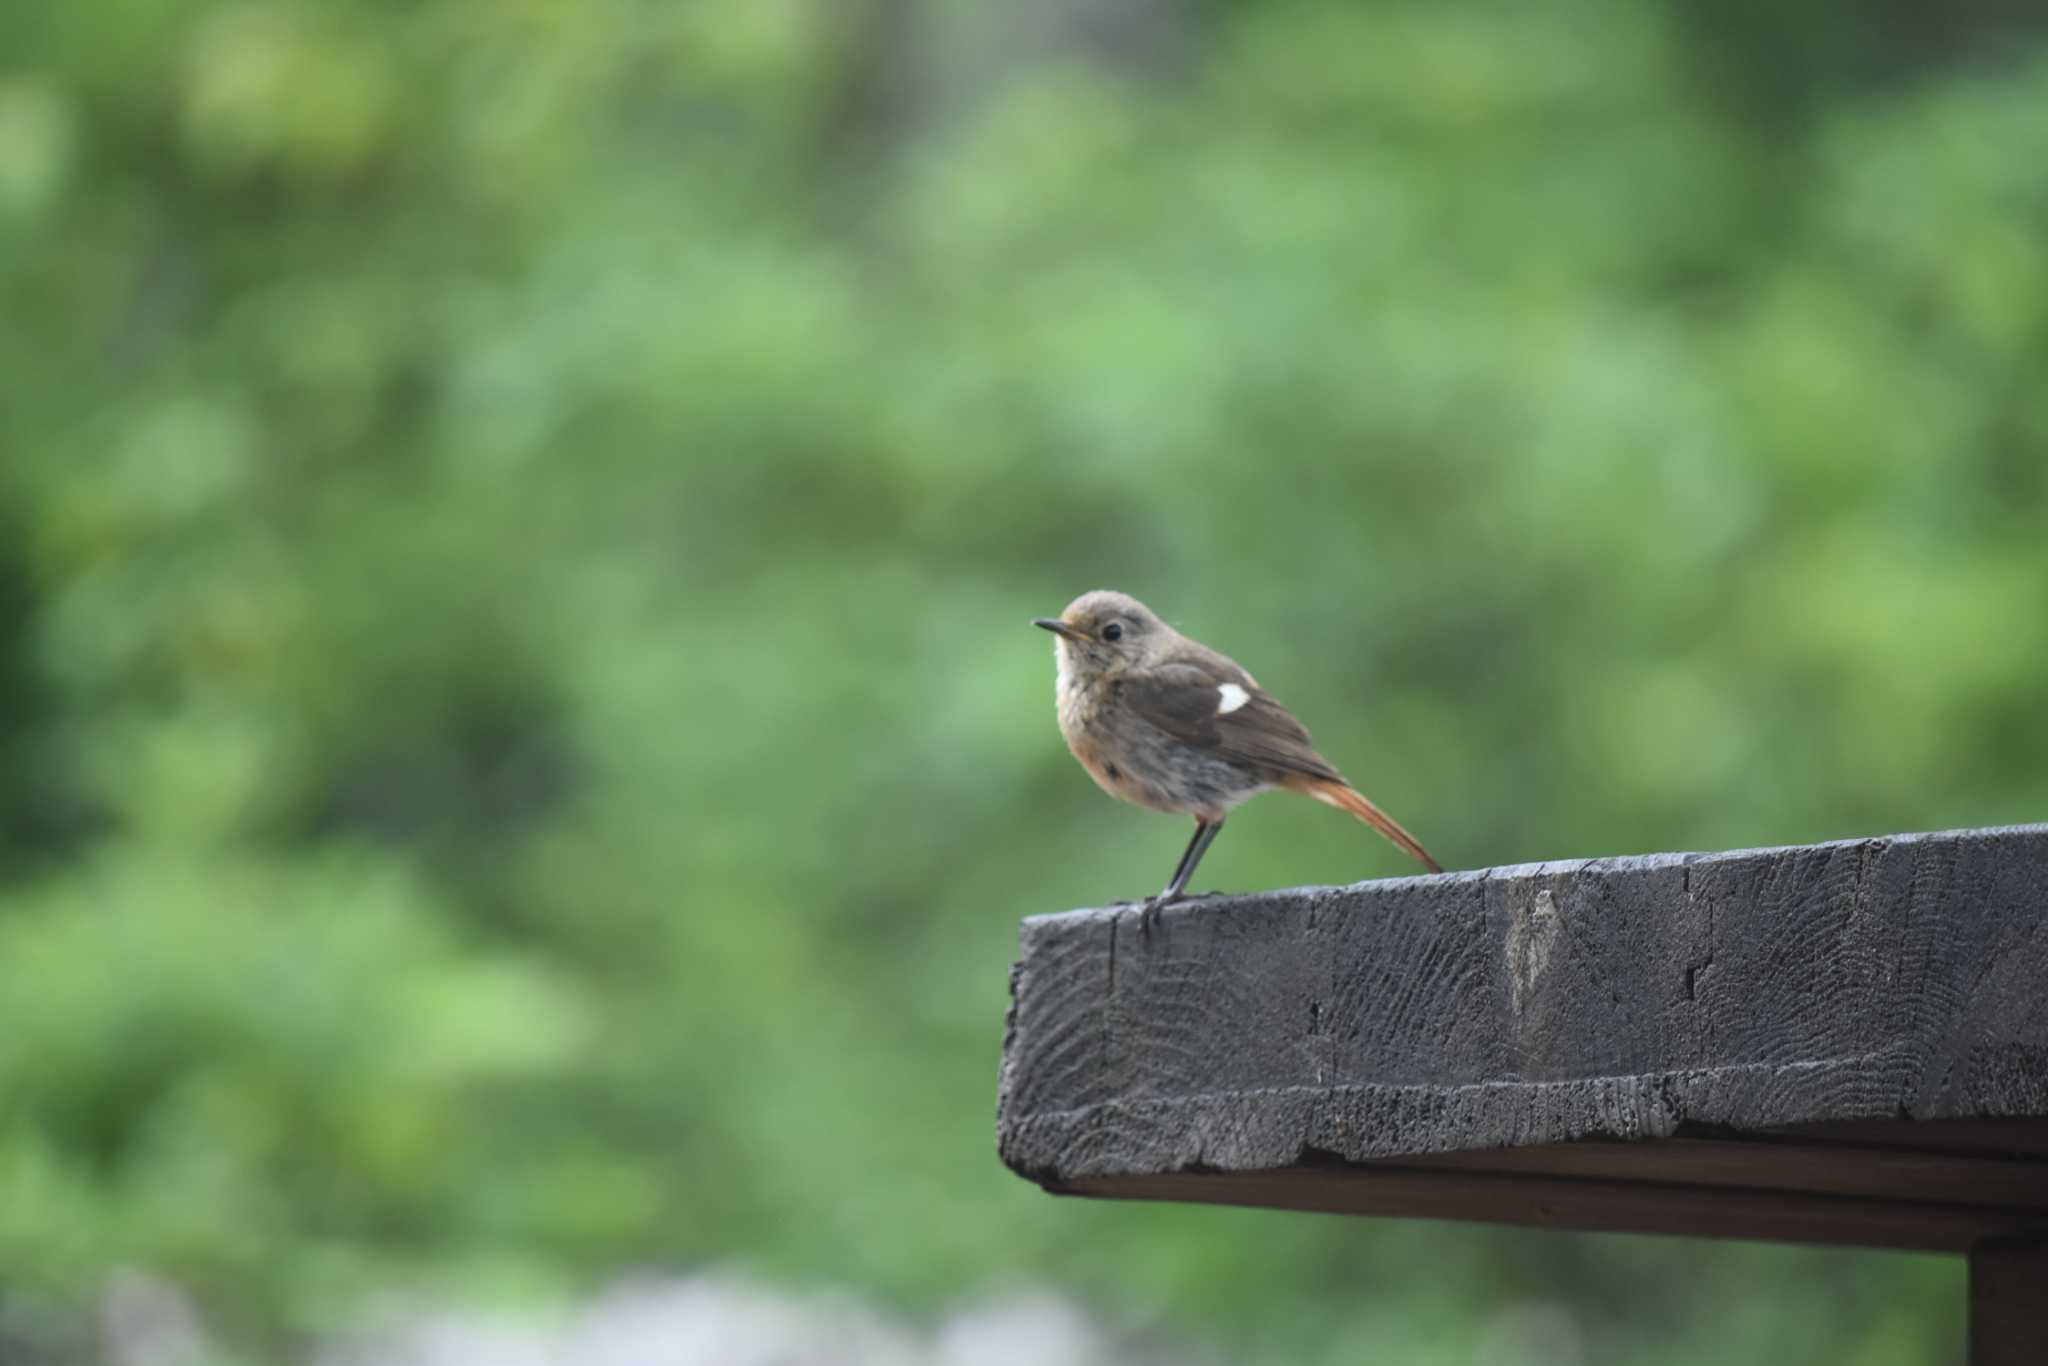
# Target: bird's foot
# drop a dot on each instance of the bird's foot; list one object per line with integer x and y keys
{"x": 1148, "y": 911}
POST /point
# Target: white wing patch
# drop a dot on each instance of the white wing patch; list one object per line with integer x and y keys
{"x": 1233, "y": 698}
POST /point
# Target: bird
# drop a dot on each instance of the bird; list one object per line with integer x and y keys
{"x": 1165, "y": 722}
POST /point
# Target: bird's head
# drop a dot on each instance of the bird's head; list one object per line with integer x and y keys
{"x": 1107, "y": 632}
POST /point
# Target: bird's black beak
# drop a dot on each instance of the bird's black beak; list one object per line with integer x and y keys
{"x": 1058, "y": 628}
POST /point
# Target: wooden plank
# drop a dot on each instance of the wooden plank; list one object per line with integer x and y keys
{"x": 2009, "y": 1303}
{"x": 2007, "y": 1137}
{"x": 1607, "y": 1206}
{"x": 1840, "y": 1043}
{"x": 1764, "y": 1164}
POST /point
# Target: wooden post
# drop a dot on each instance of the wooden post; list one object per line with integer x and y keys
{"x": 1838, "y": 1043}
{"x": 2009, "y": 1303}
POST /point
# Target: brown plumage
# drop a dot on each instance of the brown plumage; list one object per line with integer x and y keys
{"x": 1167, "y": 723}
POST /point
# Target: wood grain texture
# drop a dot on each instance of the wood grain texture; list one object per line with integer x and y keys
{"x": 1843, "y": 1023}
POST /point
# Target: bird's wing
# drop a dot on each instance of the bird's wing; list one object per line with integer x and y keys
{"x": 1214, "y": 705}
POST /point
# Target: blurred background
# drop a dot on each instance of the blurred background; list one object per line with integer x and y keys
{"x": 521, "y": 754}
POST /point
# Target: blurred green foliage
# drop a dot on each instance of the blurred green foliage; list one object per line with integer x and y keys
{"x": 520, "y": 751}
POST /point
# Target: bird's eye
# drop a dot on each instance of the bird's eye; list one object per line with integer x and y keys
{"x": 1114, "y": 631}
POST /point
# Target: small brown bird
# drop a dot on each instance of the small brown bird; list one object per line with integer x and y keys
{"x": 1167, "y": 723}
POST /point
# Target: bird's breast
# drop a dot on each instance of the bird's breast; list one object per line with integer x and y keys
{"x": 1079, "y": 709}
{"x": 1131, "y": 759}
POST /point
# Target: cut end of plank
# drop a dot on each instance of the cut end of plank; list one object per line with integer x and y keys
{"x": 1831, "y": 1043}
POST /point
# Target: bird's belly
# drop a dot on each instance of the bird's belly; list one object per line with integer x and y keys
{"x": 1133, "y": 760}
{"x": 1115, "y": 773}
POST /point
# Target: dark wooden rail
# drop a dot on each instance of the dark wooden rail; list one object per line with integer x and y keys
{"x": 1840, "y": 1043}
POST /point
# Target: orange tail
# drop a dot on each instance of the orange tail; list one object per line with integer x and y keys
{"x": 1332, "y": 793}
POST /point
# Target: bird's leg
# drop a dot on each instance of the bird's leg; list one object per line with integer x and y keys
{"x": 1205, "y": 831}
{"x": 1198, "y": 846}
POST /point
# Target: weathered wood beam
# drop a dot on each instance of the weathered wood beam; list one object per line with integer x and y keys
{"x": 1838, "y": 1043}
{"x": 2009, "y": 1303}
